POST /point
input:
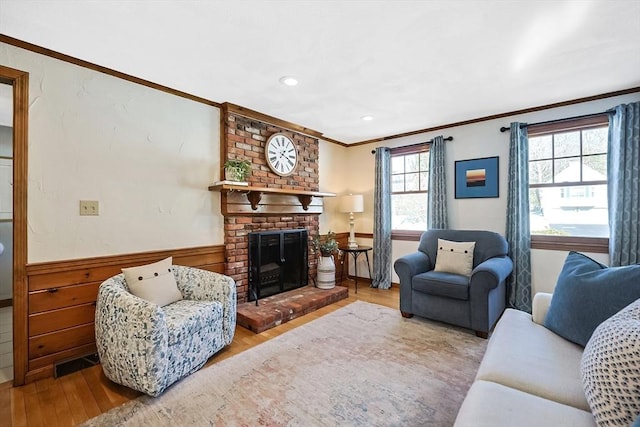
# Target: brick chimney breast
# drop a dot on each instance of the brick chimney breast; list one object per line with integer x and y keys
{"x": 245, "y": 138}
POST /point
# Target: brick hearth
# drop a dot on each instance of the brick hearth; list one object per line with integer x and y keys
{"x": 275, "y": 310}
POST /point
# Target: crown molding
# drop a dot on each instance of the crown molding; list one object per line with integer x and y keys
{"x": 502, "y": 115}
{"x": 99, "y": 68}
{"x": 247, "y": 112}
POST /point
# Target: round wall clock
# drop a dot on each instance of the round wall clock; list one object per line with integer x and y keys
{"x": 281, "y": 154}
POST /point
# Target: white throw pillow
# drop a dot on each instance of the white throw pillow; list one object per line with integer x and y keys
{"x": 153, "y": 282}
{"x": 611, "y": 368}
{"x": 455, "y": 257}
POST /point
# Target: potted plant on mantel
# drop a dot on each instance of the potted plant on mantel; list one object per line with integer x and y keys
{"x": 237, "y": 170}
{"x": 325, "y": 246}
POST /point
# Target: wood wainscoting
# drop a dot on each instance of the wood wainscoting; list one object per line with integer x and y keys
{"x": 62, "y": 297}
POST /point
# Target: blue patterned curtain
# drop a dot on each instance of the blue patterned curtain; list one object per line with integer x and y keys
{"x": 382, "y": 221}
{"x": 518, "y": 234}
{"x": 437, "y": 194}
{"x": 622, "y": 176}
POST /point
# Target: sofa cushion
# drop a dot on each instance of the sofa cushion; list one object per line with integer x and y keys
{"x": 187, "y": 317}
{"x": 587, "y": 293}
{"x": 455, "y": 257}
{"x": 524, "y": 355}
{"x": 153, "y": 282}
{"x": 491, "y": 404}
{"x": 442, "y": 284}
{"x": 611, "y": 368}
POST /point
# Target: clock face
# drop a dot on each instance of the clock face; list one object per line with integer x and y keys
{"x": 281, "y": 154}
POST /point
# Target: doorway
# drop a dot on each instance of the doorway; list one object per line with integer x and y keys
{"x": 19, "y": 83}
{"x": 6, "y": 233}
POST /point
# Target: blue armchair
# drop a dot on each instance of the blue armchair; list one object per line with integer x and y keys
{"x": 474, "y": 302}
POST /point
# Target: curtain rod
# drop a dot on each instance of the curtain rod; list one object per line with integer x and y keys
{"x": 449, "y": 138}
{"x": 524, "y": 125}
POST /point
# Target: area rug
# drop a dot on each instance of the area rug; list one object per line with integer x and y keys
{"x": 361, "y": 365}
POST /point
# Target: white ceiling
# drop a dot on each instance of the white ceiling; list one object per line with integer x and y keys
{"x": 410, "y": 64}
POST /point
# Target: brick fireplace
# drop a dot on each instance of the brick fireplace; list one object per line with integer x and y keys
{"x": 245, "y": 138}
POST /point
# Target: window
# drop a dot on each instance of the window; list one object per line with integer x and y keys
{"x": 409, "y": 184}
{"x": 568, "y": 182}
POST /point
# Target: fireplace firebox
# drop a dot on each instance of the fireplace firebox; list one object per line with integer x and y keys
{"x": 278, "y": 262}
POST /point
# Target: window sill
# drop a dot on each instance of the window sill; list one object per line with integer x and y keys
{"x": 554, "y": 243}
{"x": 579, "y": 244}
{"x": 409, "y": 235}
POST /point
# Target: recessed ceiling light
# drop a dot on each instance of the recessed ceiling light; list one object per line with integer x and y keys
{"x": 366, "y": 118}
{"x": 288, "y": 80}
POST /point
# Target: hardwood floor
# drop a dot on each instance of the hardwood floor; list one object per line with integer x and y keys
{"x": 79, "y": 396}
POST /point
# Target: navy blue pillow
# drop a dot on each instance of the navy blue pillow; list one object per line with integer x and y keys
{"x": 588, "y": 293}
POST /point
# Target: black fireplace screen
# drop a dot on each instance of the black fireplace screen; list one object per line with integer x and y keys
{"x": 278, "y": 262}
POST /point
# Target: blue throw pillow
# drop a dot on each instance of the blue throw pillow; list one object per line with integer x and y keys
{"x": 588, "y": 293}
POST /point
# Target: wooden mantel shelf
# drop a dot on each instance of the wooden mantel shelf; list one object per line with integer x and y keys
{"x": 254, "y": 194}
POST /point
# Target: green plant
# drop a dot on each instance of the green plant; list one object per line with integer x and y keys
{"x": 238, "y": 169}
{"x": 326, "y": 245}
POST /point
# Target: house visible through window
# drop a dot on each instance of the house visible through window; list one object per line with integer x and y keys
{"x": 568, "y": 178}
{"x": 409, "y": 184}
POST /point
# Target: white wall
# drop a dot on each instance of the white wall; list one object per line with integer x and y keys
{"x": 334, "y": 170}
{"x": 145, "y": 155}
{"x": 475, "y": 141}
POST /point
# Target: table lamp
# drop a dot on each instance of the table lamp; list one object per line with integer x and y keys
{"x": 353, "y": 203}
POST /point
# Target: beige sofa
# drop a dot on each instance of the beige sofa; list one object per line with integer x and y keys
{"x": 529, "y": 376}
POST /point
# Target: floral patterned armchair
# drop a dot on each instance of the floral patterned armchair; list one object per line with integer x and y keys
{"x": 147, "y": 347}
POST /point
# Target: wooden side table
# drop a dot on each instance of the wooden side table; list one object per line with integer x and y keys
{"x": 355, "y": 253}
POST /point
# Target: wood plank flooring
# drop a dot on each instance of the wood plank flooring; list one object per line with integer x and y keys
{"x": 77, "y": 397}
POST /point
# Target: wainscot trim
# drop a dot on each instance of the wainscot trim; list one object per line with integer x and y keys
{"x": 62, "y": 296}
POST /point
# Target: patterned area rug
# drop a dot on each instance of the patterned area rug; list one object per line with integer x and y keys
{"x": 361, "y": 365}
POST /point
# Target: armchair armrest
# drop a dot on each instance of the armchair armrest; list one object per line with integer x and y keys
{"x": 487, "y": 292}
{"x": 406, "y": 267}
{"x": 494, "y": 271}
{"x": 203, "y": 285}
{"x": 540, "y": 307}
{"x": 409, "y": 265}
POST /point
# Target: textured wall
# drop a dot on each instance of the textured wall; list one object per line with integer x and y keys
{"x": 145, "y": 155}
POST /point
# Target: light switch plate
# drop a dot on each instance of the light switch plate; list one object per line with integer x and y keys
{"x": 89, "y": 207}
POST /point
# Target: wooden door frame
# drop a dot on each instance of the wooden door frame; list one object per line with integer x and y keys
{"x": 20, "y": 82}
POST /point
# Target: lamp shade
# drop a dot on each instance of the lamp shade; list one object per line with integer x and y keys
{"x": 351, "y": 203}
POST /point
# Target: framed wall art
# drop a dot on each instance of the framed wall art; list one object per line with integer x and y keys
{"x": 476, "y": 178}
